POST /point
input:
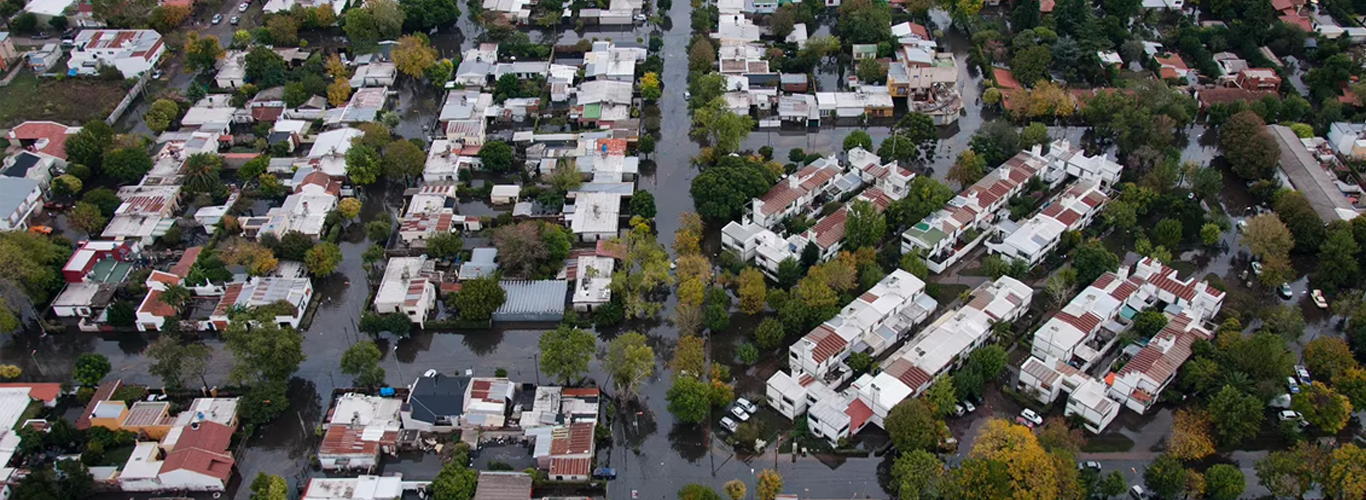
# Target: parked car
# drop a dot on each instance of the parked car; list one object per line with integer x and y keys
{"x": 40, "y": 230}
{"x": 1292, "y": 385}
{"x": 1089, "y": 464}
{"x": 749, "y": 407}
{"x": 1257, "y": 268}
{"x": 1319, "y": 299}
{"x": 1022, "y": 421}
{"x": 967, "y": 405}
{"x": 958, "y": 410}
{"x": 1138, "y": 493}
{"x": 217, "y": 18}
{"x": 156, "y": 74}
{"x": 1285, "y": 292}
{"x": 39, "y": 36}
{"x": 243, "y": 7}
{"x": 234, "y": 20}
{"x": 54, "y": 206}
{"x": 728, "y": 424}
{"x": 739, "y": 413}
{"x": 1303, "y": 374}
{"x": 1293, "y": 416}
{"x": 1029, "y": 415}
{"x": 605, "y": 473}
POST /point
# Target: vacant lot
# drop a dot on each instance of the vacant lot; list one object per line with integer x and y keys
{"x": 71, "y": 101}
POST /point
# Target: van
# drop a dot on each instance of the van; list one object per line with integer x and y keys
{"x": 1137, "y": 493}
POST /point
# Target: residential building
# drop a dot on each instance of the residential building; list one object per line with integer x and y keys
{"x": 446, "y": 159}
{"x": 26, "y": 165}
{"x": 328, "y": 153}
{"x": 483, "y": 263}
{"x": 302, "y": 212}
{"x": 516, "y": 11}
{"x": 18, "y": 199}
{"x": 8, "y": 54}
{"x": 438, "y": 403}
{"x": 476, "y": 65}
{"x": 43, "y": 138}
{"x": 1308, "y": 176}
{"x": 464, "y": 117}
{"x": 1032, "y": 240}
{"x": 232, "y": 70}
{"x": 408, "y": 287}
{"x": 795, "y": 194}
{"x": 364, "y": 106}
{"x": 503, "y": 486}
{"x": 296, "y": 292}
{"x": 132, "y": 52}
{"x": 594, "y": 216}
{"x": 147, "y": 212}
{"x": 374, "y": 74}
{"x": 532, "y": 300}
{"x": 1259, "y": 79}
{"x": 359, "y": 428}
{"x": 45, "y": 58}
{"x": 1348, "y": 140}
{"x": 609, "y": 62}
{"x": 505, "y": 194}
{"x": 592, "y": 282}
{"x": 273, "y": 6}
{"x": 1145, "y": 376}
{"x": 198, "y": 460}
{"x": 1171, "y": 66}
{"x": 365, "y": 487}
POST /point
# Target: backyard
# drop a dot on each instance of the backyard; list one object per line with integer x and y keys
{"x": 71, "y": 101}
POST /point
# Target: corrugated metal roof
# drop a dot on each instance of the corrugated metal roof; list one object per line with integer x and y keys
{"x": 542, "y": 300}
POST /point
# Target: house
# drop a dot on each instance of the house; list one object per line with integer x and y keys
{"x": 43, "y": 138}
{"x": 476, "y": 65}
{"x": 1171, "y": 66}
{"x": 18, "y": 199}
{"x": 408, "y": 287}
{"x": 437, "y": 403}
{"x": 359, "y": 428}
{"x": 1031, "y": 241}
{"x": 132, "y": 52}
{"x": 257, "y": 292}
{"x": 8, "y": 54}
{"x": 794, "y": 82}
{"x": 364, "y": 106}
{"x": 464, "y": 117}
{"x": 374, "y": 74}
{"x": 445, "y": 160}
{"x": 1308, "y": 176}
{"x": 503, "y": 486}
{"x": 1264, "y": 79}
{"x": 90, "y": 253}
{"x": 606, "y": 61}
{"x": 26, "y": 165}
{"x": 273, "y": 6}
{"x": 505, "y": 194}
{"x": 1347, "y": 140}
{"x": 147, "y": 212}
{"x": 516, "y": 11}
{"x": 795, "y": 194}
{"x": 1144, "y": 377}
{"x": 199, "y": 459}
{"x": 594, "y": 216}
{"x": 870, "y": 324}
{"x": 43, "y": 59}
{"x": 301, "y": 212}
{"x": 84, "y": 299}
{"x": 328, "y": 153}
{"x": 861, "y": 51}
{"x": 45, "y": 10}
{"x": 592, "y": 282}
{"x": 483, "y": 263}
{"x": 232, "y": 70}
{"x": 365, "y": 487}
{"x": 532, "y": 300}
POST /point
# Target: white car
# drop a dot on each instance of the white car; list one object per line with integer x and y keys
{"x": 749, "y": 407}
{"x": 1257, "y": 268}
{"x": 1293, "y": 416}
{"x": 967, "y": 405}
{"x": 1029, "y": 415}
{"x": 243, "y": 7}
{"x": 739, "y": 413}
{"x": 1303, "y": 375}
{"x": 728, "y": 424}
{"x": 217, "y": 18}
{"x": 1293, "y": 386}
{"x": 1319, "y": 299}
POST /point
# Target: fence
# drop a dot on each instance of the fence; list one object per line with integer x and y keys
{"x": 128, "y": 99}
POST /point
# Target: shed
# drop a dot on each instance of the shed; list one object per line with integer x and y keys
{"x": 540, "y": 300}
{"x": 504, "y": 194}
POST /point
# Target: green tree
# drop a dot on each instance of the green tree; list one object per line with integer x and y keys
{"x": 912, "y": 425}
{"x": 375, "y": 21}
{"x": 445, "y": 245}
{"x": 721, "y": 192}
{"x": 1248, "y": 146}
{"x": 87, "y": 146}
{"x": 918, "y": 475}
{"x": 265, "y": 351}
{"x": 1165, "y": 477}
{"x": 1323, "y": 407}
{"x": 479, "y": 298}
{"x": 689, "y": 399}
{"x": 1034, "y": 134}
{"x": 323, "y": 259}
{"x": 1149, "y": 323}
{"x": 363, "y": 164}
{"x": 724, "y": 129}
{"x": 858, "y": 139}
{"x": 770, "y": 333}
{"x": 1091, "y": 260}
{"x": 161, "y": 115}
{"x": 1337, "y": 262}
{"x": 897, "y": 147}
{"x": 1236, "y": 416}
{"x": 456, "y": 481}
{"x": 1031, "y": 64}
{"x": 87, "y": 218}
{"x": 403, "y": 160}
{"x": 871, "y": 72}
{"x": 630, "y": 361}
{"x": 361, "y": 361}
{"x": 1299, "y": 217}
{"x": 1293, "y": 472}
{"x": 269, "y": 487}
{"x": 1168, "y": 233}
{"x": 264, "y": 68}
{"x": 497, "y": 156}
{"x": 565, "y": 352}
{"x": 1270, "y": 242}
{"x": 643, "y": 204}
{"x": 1224, "y": 482}
{"x": 865, "y": 226}
{"x": 698, "y": 492}
{"x": 864, "y": 21}
{"x": 91, "y": 368}
{"x": 127, "y": 164}
{"x": 967, "y": 170}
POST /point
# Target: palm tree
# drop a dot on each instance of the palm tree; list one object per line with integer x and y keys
{"x": 175, "y": 296}
{"x": 201, "y": 171}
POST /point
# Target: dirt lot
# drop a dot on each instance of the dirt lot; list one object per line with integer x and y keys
{"x": 70, "y": 101}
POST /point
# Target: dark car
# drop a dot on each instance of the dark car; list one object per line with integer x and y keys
{"x": 605, "y": 473}
{"x": 40, "y": 36}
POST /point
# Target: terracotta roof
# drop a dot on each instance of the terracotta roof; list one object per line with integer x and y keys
{"x": 46, "y": 392}
{"x": 182, "y": 267}
{"x": 1005, "y": 79}
{"x": 1124, "y": 290}
{"x": 155, "y": 306}
{"x": 830, "y": 230}
{"x": 1104, "y": 280}
{"x": 210, "y": 436}
{"x": 53, "y": 132}
{"x": 1047, "y": 6}
{"x": 580, "y": 392}
{"x": 920, "y": 31}
{"x": 1087, "y": 322}
{"x": 615, "y": 147}
{"x": 570, "y": 466}
{"x": 102, "y": 394}
{"x": 1227, "y": 95}
{"x": 318, "y": 178}
{"x": 229, "y": 299}
{"x": 167, "y": 278}
{"x": 1167, "y": 72}
{"x": 267, "y": 113}
{"x": 576, "y": 439}
{"x": 858, "y": 413}
{"x": 827, "y": 343}
{"x": 909, "y": 374}
{"x": 1161, "y": 365}
{"x": 1173, "y": 60}
{"x": 1069, "y": 217}
{"x": 1297, "y": 20}
{"x": 215, "y": 465}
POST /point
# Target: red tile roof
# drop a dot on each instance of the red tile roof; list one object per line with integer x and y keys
{"x": 1047, "y": 6}
{"x": 45, "y": 392}
{"x": 1161, "y": 365}
{"x": 102, "y": 394}
{"x": 909, "y": 374}
{"x": 580, "y": 392}
{"x": 182, "y": 267}
{"x": 577, "y": 439}
{"x": 858, "y": 414}
{"x": 54, "y": 132}
{"x": 210, "y": 436}
{"x": 167, "y": 278}
{"x": 1005, "y": 79}
{"x": 615, "y": 147}
{"x": 1087, "y": 322}
{"x": 318, "y": 178}
{"x": 830, "y": 230}
{"x": 153, "y": 305}
{"x": 1104, "y": 280}
{"x": 215, "y": 465}
{"x": 229, "y": 299}
{"x": 827, "y": 343}
{"x": 570, "y": 466}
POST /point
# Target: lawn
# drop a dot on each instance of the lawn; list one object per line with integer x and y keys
{"x": 72, "y": 101}
{"x": 1110, "y": 443}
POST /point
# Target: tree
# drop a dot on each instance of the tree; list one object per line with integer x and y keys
{"x": 689, "y": 399}
{"x": 1346, "y": 478}
{"x": 339, "y": 92}
{"x": 643, "y": 204}
{"x": 445, "y": 245}
{"x": 1165, "y": 477}
{"x": 897, "y": 147}
{"x": 1031, "y": 64}
{"x": 1091, "y": 260}
{"x": 87, "y": 146}
{"x": 375, "y": 21}
{"x": 702, "y": 56}
{"x": 940, "y": 396}
{"x": 1323, "y": 407}
{"x": 323, "y": 259}
{"x": 283, "y": 30}
{"x": 348, "y": 208}
{"x": 770, "y": 484}
{"x": 479, "y": 298}
{"x": 770, "y": 333}
{"x": 91, "y": 368}
{"x": 1247, "y": 145}
{"x": 265, "y": 68}
{"x": 497, "y": 156}
{"x": 1168, "y": 233}
{"x": 1236, "y": 416}
{"x": 174, "y": 360}
{"x": 1337, "y": 262}
{"x": 1352, "y": 383}
{"x": 1149, "y": 323}
{"x": 127, "y": 164}
{"x": 565, "y": 352}
{"x": 520, "y": 247}
{"x": 1293, "y": 472}
{"x": 858, "y": 139}
{"x": 967, "y": 170}
{"x": 735, "y": 488}
{"x": 865, "y": 225}
{"x": 646, "y": 144}
{"x": 697, "y": 492}
{"x": 456, "y": 481}
{"x": 265, "y": 351}
{"x": 753, "y": 291}
{"x": 629, "y": 361}
{"x": 912, "y": 425}
{"x": 403, "y": 159}
{"x": 202, "y": 52}
{"x": 1224, "y": 482}
{"x": 423, "y": 15}
{"x": 1210, "y": 234}
{"x": 269, "y": 487}
{"x": 1270, "y": 241}
{"x": 1299, "y": 217}
{"x": 363, "y": 164}
{"x": 650, "y": 89}
{"x": 871, "y": 72}
{"x": 1190, "y": 438}
{"x": 864, "y": 21}
{"x": 721, "y": 192}
{"x": 413, "y": 56}
{"x": 1033, "y": 473}
{"x": 723, "y": 129}
{"x": 1327, "y": 357}
{"x": 917, "y": 474}
{"x": 361, "y": 361}
{"x": 86, "y": 218}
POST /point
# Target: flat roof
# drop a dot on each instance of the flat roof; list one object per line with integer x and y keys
{"x": 1309, "y": 178}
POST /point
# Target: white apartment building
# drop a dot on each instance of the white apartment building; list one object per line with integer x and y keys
{"x": 130, "y": 51}
{"x": 795, "y": 194}
{"x": 1035, "y": 238}
{"x": 592, "y": 282}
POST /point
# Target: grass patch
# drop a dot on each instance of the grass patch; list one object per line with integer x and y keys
{"x": 1113, "y": 443}
{"x": 945, "y": 293}
{"x": 117, "y": 456}
{"x": 72, "y": 101}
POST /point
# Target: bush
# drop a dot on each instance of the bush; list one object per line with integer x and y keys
{"x": 748, "y": 353}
